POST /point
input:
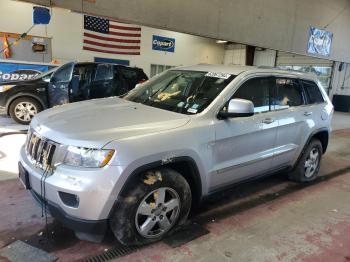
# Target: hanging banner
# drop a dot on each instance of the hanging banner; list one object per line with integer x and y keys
{"x": 14, "y": 71}
{"x": 162, "y": 43}
{"x": 320, "y": 42}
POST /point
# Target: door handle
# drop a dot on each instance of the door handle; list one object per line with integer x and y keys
{"x": 268, "y": 121}
{"x": 307, "y": 113}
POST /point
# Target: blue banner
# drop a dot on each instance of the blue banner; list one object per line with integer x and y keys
{"x": 320, "y": 42}
{"x": 162, "y": 43}
{"x": 18, "y": 71}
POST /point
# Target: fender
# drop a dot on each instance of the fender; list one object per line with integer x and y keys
{"x": 21, "y": 94}
{"x": 132, "y": 178}
{"x": 308, "y": 141}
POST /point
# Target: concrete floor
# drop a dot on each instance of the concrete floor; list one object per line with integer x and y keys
{"x": 271, "y": 219}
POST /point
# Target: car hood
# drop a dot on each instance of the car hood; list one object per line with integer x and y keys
{"x": 95, "y": 123}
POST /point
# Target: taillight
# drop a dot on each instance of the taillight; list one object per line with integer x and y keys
{"x": 141, "y": 81}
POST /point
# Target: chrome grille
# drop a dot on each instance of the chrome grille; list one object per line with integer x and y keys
{"x": 39, "y": 150}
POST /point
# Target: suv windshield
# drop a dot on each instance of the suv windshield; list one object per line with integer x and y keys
{"x": 186, "y": 92}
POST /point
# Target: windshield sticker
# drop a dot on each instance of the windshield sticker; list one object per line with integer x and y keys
{"x": 195, "y": 106}
{"x": 192, "y": 110}
{"x": 181, "y": 104}
{"x": 218, "y": 75}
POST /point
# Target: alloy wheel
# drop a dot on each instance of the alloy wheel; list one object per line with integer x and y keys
{"x": 25, "y": 111}
{"x": 157, "y": 212}
{"x": 311, "y": 162}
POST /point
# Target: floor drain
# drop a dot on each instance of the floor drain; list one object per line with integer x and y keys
{"x": 111, "y": 254}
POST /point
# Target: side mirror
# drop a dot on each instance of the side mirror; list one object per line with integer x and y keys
{"x": 237, "y": 108}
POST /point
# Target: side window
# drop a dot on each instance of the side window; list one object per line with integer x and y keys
{"x": 129, "y": 74}
{"x": 288, "y": 94}
{"x": 82, "y": 73}
{"x": 312, "y": 91}
{"x": 258, "y": 91}
{"x": 63, "y": 73}
{"x": 141, "y": 76}
{"x": 103, "y": 72}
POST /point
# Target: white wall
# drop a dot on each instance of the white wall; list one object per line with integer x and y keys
{"x": 66, "y": 29}
{"x": 235, "y": 54}
{"x": 264, "y": 57}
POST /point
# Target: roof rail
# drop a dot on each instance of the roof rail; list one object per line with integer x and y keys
{"x": 267, "y": 67}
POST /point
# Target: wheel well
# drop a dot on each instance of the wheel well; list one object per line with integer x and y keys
{"x": 188, "y": 169}
{"x": 23, "y": 96}
{"x": 323, "y": 136}
{"x": 183, "y": 165}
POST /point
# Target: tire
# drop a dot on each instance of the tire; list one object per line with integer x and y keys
{"x": 23, "y": 109}
{"x": 307, "y": 168}
{"x": 135, "y": 224}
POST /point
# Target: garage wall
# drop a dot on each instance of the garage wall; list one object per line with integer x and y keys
{"x": 66, "y": 32}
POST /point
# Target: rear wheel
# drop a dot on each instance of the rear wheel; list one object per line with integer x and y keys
{"x": 309, "y": 163}
{"x": 152, "y": 208}
{"x": 23, "y": 109}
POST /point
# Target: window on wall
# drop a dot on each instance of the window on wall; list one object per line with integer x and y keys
{"x": 323, "y": 72}
{"x": 157, "y": 69}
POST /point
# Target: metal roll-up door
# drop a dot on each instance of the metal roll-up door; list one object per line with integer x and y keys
{"x": 321, "y": 67}
{"x": 284, "y": 58}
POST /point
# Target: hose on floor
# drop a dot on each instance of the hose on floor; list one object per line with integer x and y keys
{"x": 46, "y": 173}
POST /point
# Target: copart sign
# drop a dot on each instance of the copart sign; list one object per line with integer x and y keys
{"x": 14, "y": 71}
{"x": 161, "y": 43}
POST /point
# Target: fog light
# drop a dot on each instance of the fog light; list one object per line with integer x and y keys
{"x": 69, "y": 199}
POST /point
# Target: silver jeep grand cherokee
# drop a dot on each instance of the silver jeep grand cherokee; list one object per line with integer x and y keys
{"x": 138, "y": 163}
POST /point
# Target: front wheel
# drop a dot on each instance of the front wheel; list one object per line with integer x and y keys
{"x": 309, "y": 163}
{"x": 152, "y": 208}
{"x": 23, "y": 109}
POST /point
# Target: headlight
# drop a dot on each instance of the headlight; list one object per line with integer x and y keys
{"x": 85, "y": 157}
{"x": 6, "y": 87}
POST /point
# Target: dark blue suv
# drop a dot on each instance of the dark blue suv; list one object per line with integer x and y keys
{"x": 68, "y": 83}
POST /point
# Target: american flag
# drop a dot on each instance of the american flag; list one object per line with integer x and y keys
{"x": 109, "y": 36}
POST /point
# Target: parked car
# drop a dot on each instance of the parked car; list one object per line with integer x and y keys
{"x": 70, "y": 82}
{"x": 138, "y": 163}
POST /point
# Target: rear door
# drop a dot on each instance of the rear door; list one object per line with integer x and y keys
{"x": 58, "y": 89}
{"x": 130, "y": 77}
{"x": 244, "y": 146}
{"x": 293, "y": 120}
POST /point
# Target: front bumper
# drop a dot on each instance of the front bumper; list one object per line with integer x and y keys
{"x": 94, "y": 227}
{"x": 95, "y": 188}
{"x": 2, "y": 101}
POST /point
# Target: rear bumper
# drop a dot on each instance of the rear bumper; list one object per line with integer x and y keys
{"x": 95, "y": 227}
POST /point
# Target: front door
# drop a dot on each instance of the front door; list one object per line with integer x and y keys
{"x": 58, "y": 90}
{"x": 81, "y": 82}
{"x": 244, "y": 146}
{"x": 102, "y": 84}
